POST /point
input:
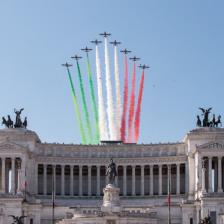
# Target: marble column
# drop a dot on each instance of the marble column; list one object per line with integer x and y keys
{"x": 98, "y": 180}
{"x": 169, "y": 182}
{"x": 3, "y": 176}
{"x": 203, "y": 189}
{"x": 133, "y": 180}
{"x": 89, "y": 181}
{"x": 197, "y": 214}
{"x": 142, "y": 180}
{"x": 45, "y": 179}
{"x": 187, "y": 188}
{"x": 36, "y": 178}
{"x": 63, "y": 180}
{"x": 210, "y": 174}
{"x": 116, "y": 180}
{"x": 12, "y": 176}
{"x": 19, "y": 179}
{"x": 160, "y": 179}
{"x": 80, "y": 180}
{"x": 220, "y": 175}
{"x": 151, "y": 180}
{"x": 23, "y": 175}
{"x": 178, "y": 179}
{"x": 199, "y": 173}
{"x": 71, "y": 180}
{"x": 54, "y": 177}
{"x": 124, "y": 180}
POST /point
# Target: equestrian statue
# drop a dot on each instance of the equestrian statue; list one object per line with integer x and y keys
{"x": 18, "y": 121}
{"x": 111, "y": 172}
{"x": 206, "y": 122}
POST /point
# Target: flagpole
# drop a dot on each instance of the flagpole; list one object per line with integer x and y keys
{"x": 25, "y": 186}
{"x": 53, "y": 193}
{"x": 169, "y": 217}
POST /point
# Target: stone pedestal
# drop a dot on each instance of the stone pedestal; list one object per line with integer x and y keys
{"x": 111, "y": 199}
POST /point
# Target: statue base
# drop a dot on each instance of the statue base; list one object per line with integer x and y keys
{"x": 111, "y": 199}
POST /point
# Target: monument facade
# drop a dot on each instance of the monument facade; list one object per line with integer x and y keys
{"x": 30, "y": 169}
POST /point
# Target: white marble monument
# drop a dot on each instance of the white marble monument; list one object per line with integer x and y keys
{"x": 111, "y": 199}
{"x": 28, "y": 165}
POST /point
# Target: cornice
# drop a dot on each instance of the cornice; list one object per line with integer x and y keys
{"x": 119, "y": 161}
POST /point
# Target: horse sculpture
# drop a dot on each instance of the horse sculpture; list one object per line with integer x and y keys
{"x": 25, "y": 122}
{"x": 198, "y": 121}
{"x": 4, "y": 121}
{"x": 10, "y": 122}
{"x": 218, "y": 121}
{"x": 18, "y": 121}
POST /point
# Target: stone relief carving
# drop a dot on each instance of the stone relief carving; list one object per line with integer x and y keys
{"x": 211, "y": 145}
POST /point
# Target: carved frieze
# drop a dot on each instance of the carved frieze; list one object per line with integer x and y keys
{"x": 211, "y": 145}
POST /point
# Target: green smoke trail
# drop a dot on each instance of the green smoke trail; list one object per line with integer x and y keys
{"x": 78, "y": 115}
{"x": 84, "y": 104}
{"x": 93, "y": 98}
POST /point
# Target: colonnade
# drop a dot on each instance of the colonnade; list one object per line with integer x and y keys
{"x": 212, "y": 174}
{"x": 10, "y": 175}
{"x": 133, "y": 180}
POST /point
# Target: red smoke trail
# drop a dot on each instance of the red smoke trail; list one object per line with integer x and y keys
{"x": 125, "y": 105}
{"x": 132, "y": 106}
{"x": 138, "y": 109}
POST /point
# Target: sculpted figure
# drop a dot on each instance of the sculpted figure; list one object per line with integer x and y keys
{"x": 206, "y": 112}
{"x": 206, "y": 220}
{"x": 17, "y": 219}
{"x": 18, "y": 123}
{"x": 111, "y": 172}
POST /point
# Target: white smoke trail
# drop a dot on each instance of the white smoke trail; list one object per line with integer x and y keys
{"x": 101, "y": 111}
{"x": 110, "y": 108}
{"x": 118, "y": 94}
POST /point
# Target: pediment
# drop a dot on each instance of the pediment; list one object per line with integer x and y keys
{"x": 11, "y": 146}
{"x": 211, "y": 145}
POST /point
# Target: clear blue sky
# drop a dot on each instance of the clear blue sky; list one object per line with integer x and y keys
{"x": 182, "y": 41}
